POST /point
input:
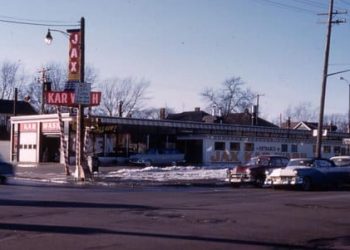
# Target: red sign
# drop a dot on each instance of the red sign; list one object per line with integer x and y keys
{"x": 65, "y": 98}
{"x": 27, "y": 127}
{"x": 74, "y": 55}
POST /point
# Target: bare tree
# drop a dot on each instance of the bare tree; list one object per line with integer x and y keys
{"x": 302, "y": 112}
{"x": 231, "y": 98}
{"x": 340, "y": 120}
{"x": 128, "y": 92}
{"x": 10, "y": 78}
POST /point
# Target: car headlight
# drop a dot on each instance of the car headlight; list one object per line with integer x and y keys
{"x": 247, "y": 171}
{"x": 295, "y": 172}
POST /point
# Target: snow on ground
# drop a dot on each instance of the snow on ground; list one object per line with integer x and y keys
{"x": 164, "y": 174}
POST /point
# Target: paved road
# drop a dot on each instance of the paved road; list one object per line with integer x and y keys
{"x": 79, "y": 216}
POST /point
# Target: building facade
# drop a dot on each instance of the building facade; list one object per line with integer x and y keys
{"x": 203, "y": 138}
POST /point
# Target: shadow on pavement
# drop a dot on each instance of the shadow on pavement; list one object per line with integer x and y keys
{"x": 90, "y": 231}
{"x": 31, "y": 203}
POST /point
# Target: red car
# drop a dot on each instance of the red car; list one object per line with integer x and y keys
{"x": 254, "y": 171}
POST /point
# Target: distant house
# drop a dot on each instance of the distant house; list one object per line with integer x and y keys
{"x": 245, "y": 118}
{"x": 309, "y": 126}
{"x": 7, "y": 110}
{"x": 191, "y": 116}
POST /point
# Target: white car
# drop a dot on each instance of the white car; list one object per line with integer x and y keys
{"x": 341, "y": 160}
{"x": 309, "y": 173}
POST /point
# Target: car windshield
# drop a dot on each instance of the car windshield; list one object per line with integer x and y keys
{"x": 301, "y": 162}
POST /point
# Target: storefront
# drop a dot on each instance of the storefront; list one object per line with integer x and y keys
{"x": 36, "y": 138}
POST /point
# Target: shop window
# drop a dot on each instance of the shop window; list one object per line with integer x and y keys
{"x": 284, "y": 148}
{"x": 235, "y": 146}
{"x": 327, "y": 149}
{"x": 249, "y": 147}
{"x": 219, "y": 145}
{"x": 337, "y": 150}
{"x": 294, "y": 148}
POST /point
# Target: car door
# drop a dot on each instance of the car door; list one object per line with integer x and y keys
{"x": 327, "y": 172}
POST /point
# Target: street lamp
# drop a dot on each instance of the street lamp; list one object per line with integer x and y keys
{"x": 80, "y": 173}
{"x": 49, "y": 38}
{"x": 344, "y": 79}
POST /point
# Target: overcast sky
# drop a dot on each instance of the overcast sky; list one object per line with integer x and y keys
{"x": 184, "y": 46}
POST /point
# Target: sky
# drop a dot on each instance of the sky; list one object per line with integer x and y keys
{"x": 185, "y": 46}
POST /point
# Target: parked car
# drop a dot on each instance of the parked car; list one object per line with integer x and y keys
{"x": 158, "y": 157}
{"x": 254, "y": 171}
{"x": 309, "y": 173}
{"x": 342, "y": 160}
{"x": 6, "y": 170}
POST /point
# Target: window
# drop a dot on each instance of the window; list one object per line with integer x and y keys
{"x": 249, "y": 147}
{"x": 337, "y": 150}
{"x": 219, "y": 145}
{"x": 284, "y": 147}
{"x": 294, "y": 148}
{"x": 326, "y": 149}
{"x": 235, "y": 146}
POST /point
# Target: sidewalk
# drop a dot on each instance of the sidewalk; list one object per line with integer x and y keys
{"x": 54, "y": 172}
{"x": 46, "y": 172}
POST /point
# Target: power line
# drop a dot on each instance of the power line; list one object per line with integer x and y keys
{"x": 312, "y": 3}
{"x": 288, "y": 6}
{"x": 46, "y": 23}
{"x": 345, "y": 2}
{"x": 38, "y": 24}
{"x": 33, "y": 20}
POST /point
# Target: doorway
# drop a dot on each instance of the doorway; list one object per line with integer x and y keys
{"x": 50, "y": 150}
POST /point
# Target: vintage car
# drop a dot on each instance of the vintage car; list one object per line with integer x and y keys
{"x": 254, "y": 171}
{"x": 341, "y": 160}
{"x": 308, "y": 174}
{"x": 6, "y": 170}
{"x": 158, "y": 157}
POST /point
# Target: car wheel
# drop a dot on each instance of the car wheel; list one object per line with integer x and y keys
{"x": 260, "y": 182}
{"x": 307, "y": 184}
{"x": 2, "y": 180}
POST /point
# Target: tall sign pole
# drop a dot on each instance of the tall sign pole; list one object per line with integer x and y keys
{"x": 76, "y": 77}
{"x": 80, "y": 113}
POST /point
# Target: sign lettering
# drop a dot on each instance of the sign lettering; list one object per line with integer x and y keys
{"x": 74, "y": 55}
{"x": 27, "y": 127}
{"x": 66, "y": 98}
{"x": 50, "y": 127}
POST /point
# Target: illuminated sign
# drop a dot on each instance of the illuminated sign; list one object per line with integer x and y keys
{"x": 74, "y": 55}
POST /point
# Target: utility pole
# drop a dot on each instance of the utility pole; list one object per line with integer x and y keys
{"x": 325, "y": 75}
{"x": 43, "y": 81}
